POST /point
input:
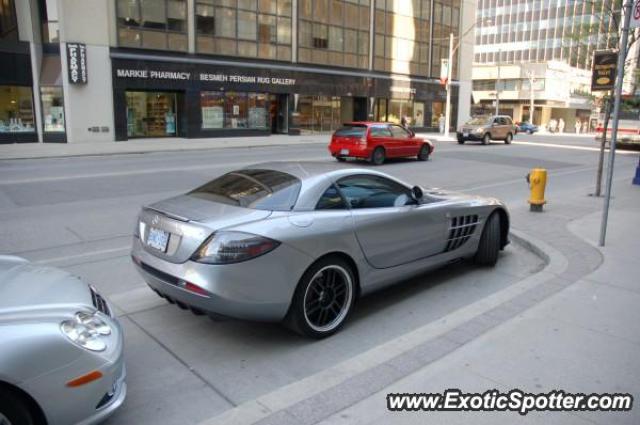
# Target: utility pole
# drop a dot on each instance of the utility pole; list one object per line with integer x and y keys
{"x": 532, "y": 79}
{"x": 447, "y": 114}
{"x": 622, "y": 54}
{"x": 498, "y": 84}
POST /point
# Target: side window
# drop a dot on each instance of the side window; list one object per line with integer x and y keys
{"x": 496, "y": 121}
{"x": 508, "y": 121}
{"x": 366, "y": 191}
{"x": 331, "y": 200}
{"x": 399, "y": 132}
{"x": 379, "y": 131}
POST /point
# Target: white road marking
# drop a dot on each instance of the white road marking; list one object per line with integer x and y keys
{"x": 139, "y": 172}
{"x": 579, "y": 148}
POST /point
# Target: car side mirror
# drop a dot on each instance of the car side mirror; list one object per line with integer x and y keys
{"x": 416, "y": 193}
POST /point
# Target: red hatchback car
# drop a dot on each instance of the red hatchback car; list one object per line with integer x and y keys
{"x": 377, "y": 141}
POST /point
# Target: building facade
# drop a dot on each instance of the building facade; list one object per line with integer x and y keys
{"x": 540, "y": 49}
{"x": 104, "y": 70}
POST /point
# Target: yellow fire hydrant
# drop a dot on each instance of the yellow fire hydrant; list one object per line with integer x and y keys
{"x": 537, "y": 180}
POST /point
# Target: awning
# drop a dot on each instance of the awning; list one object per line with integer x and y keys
{"x": 51, "y": 72}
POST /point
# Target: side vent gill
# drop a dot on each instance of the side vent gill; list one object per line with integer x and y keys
{"x": 461, "y": 229}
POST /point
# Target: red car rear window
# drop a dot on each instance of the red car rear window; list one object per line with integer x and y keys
{"x": 357, "y": 131}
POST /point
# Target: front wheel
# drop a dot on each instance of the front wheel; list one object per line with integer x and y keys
{"x": 508, "y": 139}
{"x": 489, "y": 246}
{"x": 378, "y": 156}
{"x": 323, "y": 299}
{"x": 423, "y": 154}
{"x": 486, "y": 139}
{"x": 14, "y": 410}
{"x": 461, "y": 140}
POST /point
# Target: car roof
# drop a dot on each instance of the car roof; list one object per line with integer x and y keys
{"x": 367, "y": 123}
{"x": 316, "y": 177}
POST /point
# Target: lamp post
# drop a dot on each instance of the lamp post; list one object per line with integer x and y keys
{"x": 452, "y": 50}
{"x": 498, "y": 85}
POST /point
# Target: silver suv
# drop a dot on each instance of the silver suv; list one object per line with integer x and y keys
{"x": 485, "y": 129}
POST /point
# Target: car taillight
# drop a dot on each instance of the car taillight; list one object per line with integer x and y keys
{"x": 233, "y": 247}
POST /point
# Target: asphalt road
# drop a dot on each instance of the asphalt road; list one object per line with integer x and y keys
{"x": 78, "y": 213}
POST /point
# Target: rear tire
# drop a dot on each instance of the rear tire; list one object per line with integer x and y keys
{"x": 508, "y": 139}
{"x": 460, "y": 140}
{"x": 489, "y": 246}
{"x": 377, "y": 156}
{"x": 323, "y": 298}
{"x": 486, "y": 139}
{"x": 15, "y": 410}
{"x": 423, "y": 153}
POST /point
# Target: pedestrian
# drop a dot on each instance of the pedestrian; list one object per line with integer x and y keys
{"x": 403, "y": 121}
{"x": 561, "y": 126}
{"x": 577, "y": 126}
{"x": 441, "y": 123}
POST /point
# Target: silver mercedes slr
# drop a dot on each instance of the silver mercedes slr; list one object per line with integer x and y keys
{"x": 61, "y": 356}
{"x": 299, "y": 242}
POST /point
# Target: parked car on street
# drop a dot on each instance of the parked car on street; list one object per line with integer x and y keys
{"x": 486, "y": 129}
{"x": 298, "y": 242}
{"x": 526, "y": 127}
{"x": 61, "y": 356}
{"x": 377, "y": 141}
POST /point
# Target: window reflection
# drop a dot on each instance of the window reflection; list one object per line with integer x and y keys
{"x": 247, "y": 28}
{"x": 153, "y": 24}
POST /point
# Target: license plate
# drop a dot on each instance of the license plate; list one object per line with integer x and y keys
{"x": 344, "y": 151}
{"x": 466, "y": 134}
{"x": 158, "y": 239}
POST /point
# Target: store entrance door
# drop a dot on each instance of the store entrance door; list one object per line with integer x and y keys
{"x": 151, "y": 114}
{"x": 360, "y": 109}
{"x": 279, "y": 113}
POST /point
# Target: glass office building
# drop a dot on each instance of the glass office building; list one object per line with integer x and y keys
{"x": 208, "y": 68}
{"x": 277, "y": 66}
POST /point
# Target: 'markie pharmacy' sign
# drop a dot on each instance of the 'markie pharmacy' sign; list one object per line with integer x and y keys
{"x": 150, "y": 74}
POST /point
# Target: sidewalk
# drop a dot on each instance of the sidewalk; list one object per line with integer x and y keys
{"x": 572, "y": 327}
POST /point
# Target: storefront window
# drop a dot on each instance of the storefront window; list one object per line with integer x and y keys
{"x": 233, "y": 110}
{"x": 153, "y": 24}
{"x": 16, "y": 109}
{"x": 52, "y": 108}
{"x": 317, "y": 114}
{"x": 418, "y": 114}
{"x": 399, "y": 108}
{"x": 151, "y": 114}
{"x": 437, "y": 109}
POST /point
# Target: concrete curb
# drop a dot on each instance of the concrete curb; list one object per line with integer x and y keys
{"x": 373, "y": 370}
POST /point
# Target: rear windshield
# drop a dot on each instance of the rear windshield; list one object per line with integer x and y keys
{"x": 255, "y": 189}
{"x": 351, "y": 131}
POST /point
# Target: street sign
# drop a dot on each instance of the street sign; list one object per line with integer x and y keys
{"x": 444, "y": 71}
{"x": 603, "y": 75}
{"x": 635, "y": 15}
